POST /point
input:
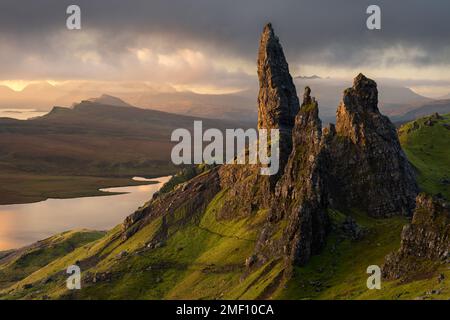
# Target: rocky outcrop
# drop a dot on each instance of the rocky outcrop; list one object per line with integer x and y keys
{"x": 370, "y": 169}
{"x": 278, "y": 105}
{"x": 246, "y": 191}
{"x": 277, "y": 100}
{"x": 425, "y": 240}
{"x": 356, "y": 164}
{"x": 298, "y": 221}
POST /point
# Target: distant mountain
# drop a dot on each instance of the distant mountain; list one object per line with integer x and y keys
{"x": 43, "y": 95}
{"x": 418, "y": 111}
{"x": 394, "y": 98}
{"x": 446, "y": 97}
{"x": 96, "y": 139}
{"x": 37, "y": 88}
{"x": 239, "y": 106}
{"x": 308, "y": 77}
{"x": 4, "y": 90}
{"x": 106, "y": 99}
{"x": 38, "y": 96}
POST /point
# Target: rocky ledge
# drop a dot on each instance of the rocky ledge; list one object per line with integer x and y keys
{"x": 425, "y": 242}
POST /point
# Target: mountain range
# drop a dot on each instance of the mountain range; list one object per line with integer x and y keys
{"x": 395, "y": 99}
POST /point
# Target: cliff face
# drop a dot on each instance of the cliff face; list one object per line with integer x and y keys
{"x": 425, "y": 239}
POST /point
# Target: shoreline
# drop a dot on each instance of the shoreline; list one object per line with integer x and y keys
{"x": 25, "y": 188}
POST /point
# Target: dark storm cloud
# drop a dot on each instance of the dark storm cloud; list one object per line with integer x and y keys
{"x": 330, "y": 33}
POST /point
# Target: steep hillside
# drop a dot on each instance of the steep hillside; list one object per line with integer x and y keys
{"x": 426, "y": 143}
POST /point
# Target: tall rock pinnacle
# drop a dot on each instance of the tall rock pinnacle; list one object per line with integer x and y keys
{"x": 278, "y": 103}
{"x": 277, "y": 107}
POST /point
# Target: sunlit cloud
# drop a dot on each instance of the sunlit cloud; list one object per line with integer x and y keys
{"x": 210, "y": 47}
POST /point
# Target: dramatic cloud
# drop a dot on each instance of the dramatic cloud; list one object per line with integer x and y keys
{"x": 214, "y": 43}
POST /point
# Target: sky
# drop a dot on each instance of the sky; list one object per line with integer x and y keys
{"x": 210, "y": 46}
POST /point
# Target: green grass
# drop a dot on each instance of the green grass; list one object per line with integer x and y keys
{"x": 427, "y": 147}
{"x": 23, "y": 262}
{"x": 339, "y": 272}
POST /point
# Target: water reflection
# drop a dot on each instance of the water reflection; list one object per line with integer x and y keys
{"x": 20, "y": 114}
{"x": 23, "y": 224}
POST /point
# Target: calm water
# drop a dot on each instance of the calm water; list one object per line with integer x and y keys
{"x": 20, "y": 114}
{"x": 23, "y": 224}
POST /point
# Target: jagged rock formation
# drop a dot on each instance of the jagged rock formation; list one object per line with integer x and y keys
{"x": 370, "y": 167}
{"x": 277, "y": 100}
{"x": 425, "y": 239}
{"x": 356, "y": 164}
{"x": 278, "y": 105}
{"x": 299, "y": 207}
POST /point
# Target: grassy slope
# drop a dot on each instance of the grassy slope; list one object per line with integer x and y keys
{"x": 17, "y": 264}
{"x": 427, "y": 147}
{"x": 204, "y": 259}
